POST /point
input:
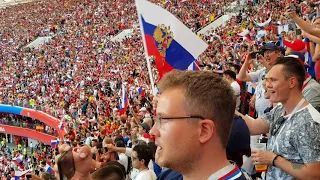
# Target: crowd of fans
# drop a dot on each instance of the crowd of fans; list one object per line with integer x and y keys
{"x": 78, "y": 75}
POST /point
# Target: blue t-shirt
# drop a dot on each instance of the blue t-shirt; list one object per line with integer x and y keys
{"x": 168, "y": 174}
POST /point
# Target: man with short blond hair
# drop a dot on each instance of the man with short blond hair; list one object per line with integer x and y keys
{"x": 195, "y": 113}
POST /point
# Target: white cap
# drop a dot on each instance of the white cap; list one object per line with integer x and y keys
{"x": 143, "y": 109}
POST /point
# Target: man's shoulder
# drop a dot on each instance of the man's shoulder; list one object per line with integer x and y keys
{"x": 309, "y": 114}
{"x": 312, "y": 85}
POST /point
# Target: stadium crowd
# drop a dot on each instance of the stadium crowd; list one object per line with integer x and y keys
{"x": 78, "y": 75}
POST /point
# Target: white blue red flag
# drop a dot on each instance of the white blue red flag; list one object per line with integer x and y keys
{"x": 193, "y": 66}
{"x": 18, "y": 174}
{"x": 141, "y": 91}
{"x": 18, "y": 161}
{"x": 307, "y": 54}
{"x": 265, "y": 25}
{"x": 123, "y": 101}
{"x": 173, "y": 45}
{"x": 54, "y": 143}
{"x": 48, "y": 169}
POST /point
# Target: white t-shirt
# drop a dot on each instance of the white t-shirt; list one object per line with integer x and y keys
{"x": 236, "y": 89}
{"x": 123, "y": 159}
{"x": 261, "y": 102}
{"x": 146, "y": 175}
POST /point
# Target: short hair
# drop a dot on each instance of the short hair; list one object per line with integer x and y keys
{"x": 292, "y": 67}
{"x": 110, "y": 172}
{"x": 120, "y": 143}
{"x": 206, "y": 95}
{"x": 116, "y": 163}
{"x": 236, "y": 67}
{"x": 230, "y": 73}
{"x": 144, "y": 153}
{"x": 45, "y": 176}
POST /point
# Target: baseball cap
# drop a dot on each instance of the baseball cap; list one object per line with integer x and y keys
{"x": 296, "y": 45}
{"x": 145, "y": 126}
{"x": 239, "y": 139}
{"x": 269, "y": 46}
{"x": 273, "y": 47}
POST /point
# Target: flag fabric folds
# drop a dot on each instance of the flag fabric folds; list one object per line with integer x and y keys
{"x": 18, "y": 174}
{"x": 18, "y": 161}
{"x": 48, "y": 169}
{"x": 265, "y": 25}
{"x": 54, "y": 143}
{"x": 141, "y": 91}
{"x": 193, "y": 66}
{"x": 168, "y": 40}
{"x": 123, "y": 101}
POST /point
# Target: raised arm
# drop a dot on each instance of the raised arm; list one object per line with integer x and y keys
{"x": 243, "y": 74}
{"x": 305, "y": 26}
{"x": 256, "y": 126}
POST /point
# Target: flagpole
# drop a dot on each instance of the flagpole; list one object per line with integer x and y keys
{"x": 145, "y": 48}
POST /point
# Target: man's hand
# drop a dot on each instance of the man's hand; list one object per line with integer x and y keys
{"x": 248, "y": 59}
{"x": 262, "y": 157}
{"x": 291, "y": 14}
{"x": 82, "y": 162}
{"x": 111, "y": 148}
{"x": 252, "y": 102}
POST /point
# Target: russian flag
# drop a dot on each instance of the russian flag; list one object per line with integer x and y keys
{"x": 173, "y": 45}
{"x": 48, "y": 169}
{"x": 18, "y": 161}
{"x": 265, "y": 25}
{"x": 245, "y": 34}
{"x": 123, "y": 101}
{"x": 18, "y": 174}
{"x": 193, "y": 66}
{"x": 54, "y": 143}
{"x": 307, "y": 57}
{"x": 141, "y": 91}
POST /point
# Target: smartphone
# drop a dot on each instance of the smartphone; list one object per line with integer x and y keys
{"x": 298, "y": 32}
{"x": 293, "y": 7}
{"x": 66, "y": 165}
{"x": 28, "y": 176}
{"x": 253, "y": 55}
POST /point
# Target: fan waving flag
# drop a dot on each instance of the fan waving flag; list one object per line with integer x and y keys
{"x": 18, "y": 174}
{"x": 18, "y": 161}
{"x": 54, "y": 143}
{"x": 48, "y": 169}
{"x": 123, "y": 101}
{"x": 141, "y": 91}
{"x": 168, "y": 40}
{"x": 265, "y": 25}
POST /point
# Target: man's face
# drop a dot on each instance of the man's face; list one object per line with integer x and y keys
{"x": 271, "y": 57}
{"x": 277, "y": 85}
{"x": 176, "y": 139}
{"x": 135, "y": 160}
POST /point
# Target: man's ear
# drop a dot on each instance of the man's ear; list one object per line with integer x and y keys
{"x": 207, "y": 130}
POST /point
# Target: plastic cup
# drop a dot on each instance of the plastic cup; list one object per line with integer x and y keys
{"x": 262, "y": 146}
{"x": 254, "y": 139}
